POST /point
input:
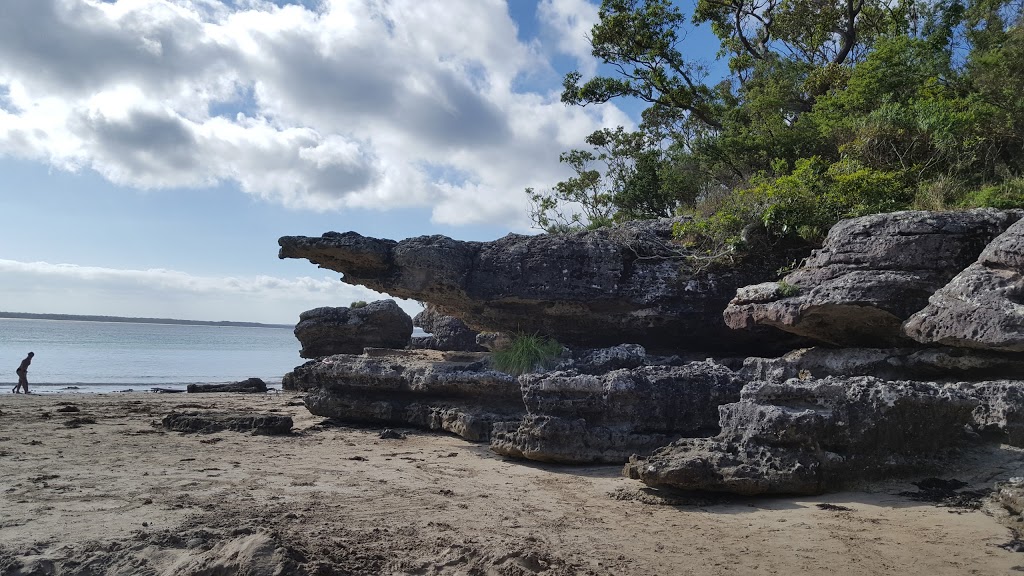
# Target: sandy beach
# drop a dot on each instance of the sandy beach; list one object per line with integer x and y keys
{"x": 107, "y": 490}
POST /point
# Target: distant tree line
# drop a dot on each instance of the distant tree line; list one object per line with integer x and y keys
{"x": 85, "y": 318}
{"x": 830, "y": 109}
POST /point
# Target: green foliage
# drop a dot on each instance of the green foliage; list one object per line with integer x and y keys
{"x": 525, "y": 353}
{"x": 358, "y": 304}
{"x": 787, "y": 290}
{"x": 831, "y": 109}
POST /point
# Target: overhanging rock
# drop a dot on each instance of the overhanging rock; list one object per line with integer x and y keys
{"x": 597, "y": 288}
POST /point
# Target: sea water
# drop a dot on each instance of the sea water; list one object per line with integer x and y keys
{"x": 82, "y": 356}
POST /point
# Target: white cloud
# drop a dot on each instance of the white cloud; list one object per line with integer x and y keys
{"x": 73, "y": 289}
{"x": 570, "y": 22}
{"x": 356, "y": 104}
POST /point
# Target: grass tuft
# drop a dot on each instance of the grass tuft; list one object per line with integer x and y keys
{"x": 525, "y": 354}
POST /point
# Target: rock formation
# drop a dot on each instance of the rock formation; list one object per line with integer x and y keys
{"x": 871, "y": 274}
{"x": 453, "y": 392}
{"x": 247, "y": 386}
{"x": 446, "y": 332}
{"x": 629, "y": 283}
{"x": 327, "y": 331}
{"x": 209, "y": 422}
{"x": 939, "y": 364}
{"x": 983, "y": 307}
{"x": 808, "y": 437}
{"x": 607, "y": 415}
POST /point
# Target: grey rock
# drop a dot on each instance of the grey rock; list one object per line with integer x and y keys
{"x": 983, "y": 307}
{"x": 871, "y": 274}
{"x": 630, "y": 283}
{"x": 1010, "y": 496}
{"x": 493, "y": 341}
{"x": 808, "y": 437}
{"x": 446, "y": 332}
{"x": 247, "y": 386}
{"x": 584, "y": 418}
{"x": 942, "y": 364}
{"x": 208, "y": 422}
{"x": 1000, "y": 411}
{"x": 452, "y": 392}
{"x": 326, "y": 331}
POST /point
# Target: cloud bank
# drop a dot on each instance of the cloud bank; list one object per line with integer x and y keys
{"x": 365, "y": 103}
{"x": 71, "y": 289}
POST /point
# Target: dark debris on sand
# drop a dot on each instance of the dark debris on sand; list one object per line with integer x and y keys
{"x": 946, "y": 493}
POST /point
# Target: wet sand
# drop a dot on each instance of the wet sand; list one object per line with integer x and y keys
{"x": 107, "y": 490}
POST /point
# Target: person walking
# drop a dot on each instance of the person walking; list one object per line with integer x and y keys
{"x": 22, "y": 373}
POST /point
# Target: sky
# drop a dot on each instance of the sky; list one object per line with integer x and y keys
{"x": 153, "y": 151}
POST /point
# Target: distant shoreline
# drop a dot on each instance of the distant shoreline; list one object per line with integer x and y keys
{"x": 132, "y": 320}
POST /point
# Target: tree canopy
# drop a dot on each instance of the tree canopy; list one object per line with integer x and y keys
{"x": 830, "y": 109}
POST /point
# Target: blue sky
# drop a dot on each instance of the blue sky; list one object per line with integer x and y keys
{"x": 152, "y": 151}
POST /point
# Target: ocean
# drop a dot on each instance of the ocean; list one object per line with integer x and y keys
{"x": 82, "y": 356}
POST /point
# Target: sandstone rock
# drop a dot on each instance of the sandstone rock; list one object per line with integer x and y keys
{"x": 419, "y": 388}
{"x": 983, "y": 307}
{"x": 327, "y": 331}
{"x": 247, "y": 386}
{"x": 630, "y": 283}
{"x": 870, "y": 275}
{"x": 942, "y": 364}
{"x": 605, "y": 417}
{"x": 446, "y": 332}
{"x": 1000, "y": 411}
{"x": 208, "y": 422}
{"x": 808, "y": 437}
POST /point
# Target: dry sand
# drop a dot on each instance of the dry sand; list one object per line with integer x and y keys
{"x": 124, "y": 496}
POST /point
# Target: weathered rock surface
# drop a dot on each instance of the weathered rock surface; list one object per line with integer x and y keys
{"x": 871, "y": 275}
{"x": 208, "y": 422}
{"x": 983, "y": 307}
{"x": 932, "y": 364}
{"x": 326, "y": 331}
{"x": 1000, "y": 411}
{"x": 625, "y": 284}
{"x": 446, "y": 332}
{"x": 606, "y": 416}
{"x": 808, "y": 437}
{"x": 453, "y": 392}
{"x": 247, "y": 386}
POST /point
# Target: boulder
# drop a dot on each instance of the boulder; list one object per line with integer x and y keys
{"x": 983, "y": 307}
{"x": 446, "y": 332}
{"x": 605, "y": 416}
{"x": 809, "y": 437}
{"x": 247, "y": 386}
{"x": 871, "y": 274}
{"x": 326, "y": 331}
{"x": 452, "y": 392}
{"x": 630, "y": 283}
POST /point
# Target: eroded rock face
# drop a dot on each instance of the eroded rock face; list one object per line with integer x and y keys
{"x": 209, "y": 422}
{"x": 870, "y": 276}
{"x": 446, "y": 332}
{"x": 604, "y": 287}
{"x": 578, "y": 417}
{"x": 453, "y": 392}
{"x": 326, "y": 331}
{"x": 942, "y": 364}
{"x": 808, "y": 437}
{"x": 1000, "y": 411}
{"x": 983, "y": 307}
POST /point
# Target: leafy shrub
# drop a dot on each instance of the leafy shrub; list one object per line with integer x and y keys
{"x": 358, "y": 304}
{"x": 525, "y": 353}
{"x": 1009, "y": 194}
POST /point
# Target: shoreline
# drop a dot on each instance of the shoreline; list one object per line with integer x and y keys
{"x": 328, "y": 497}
